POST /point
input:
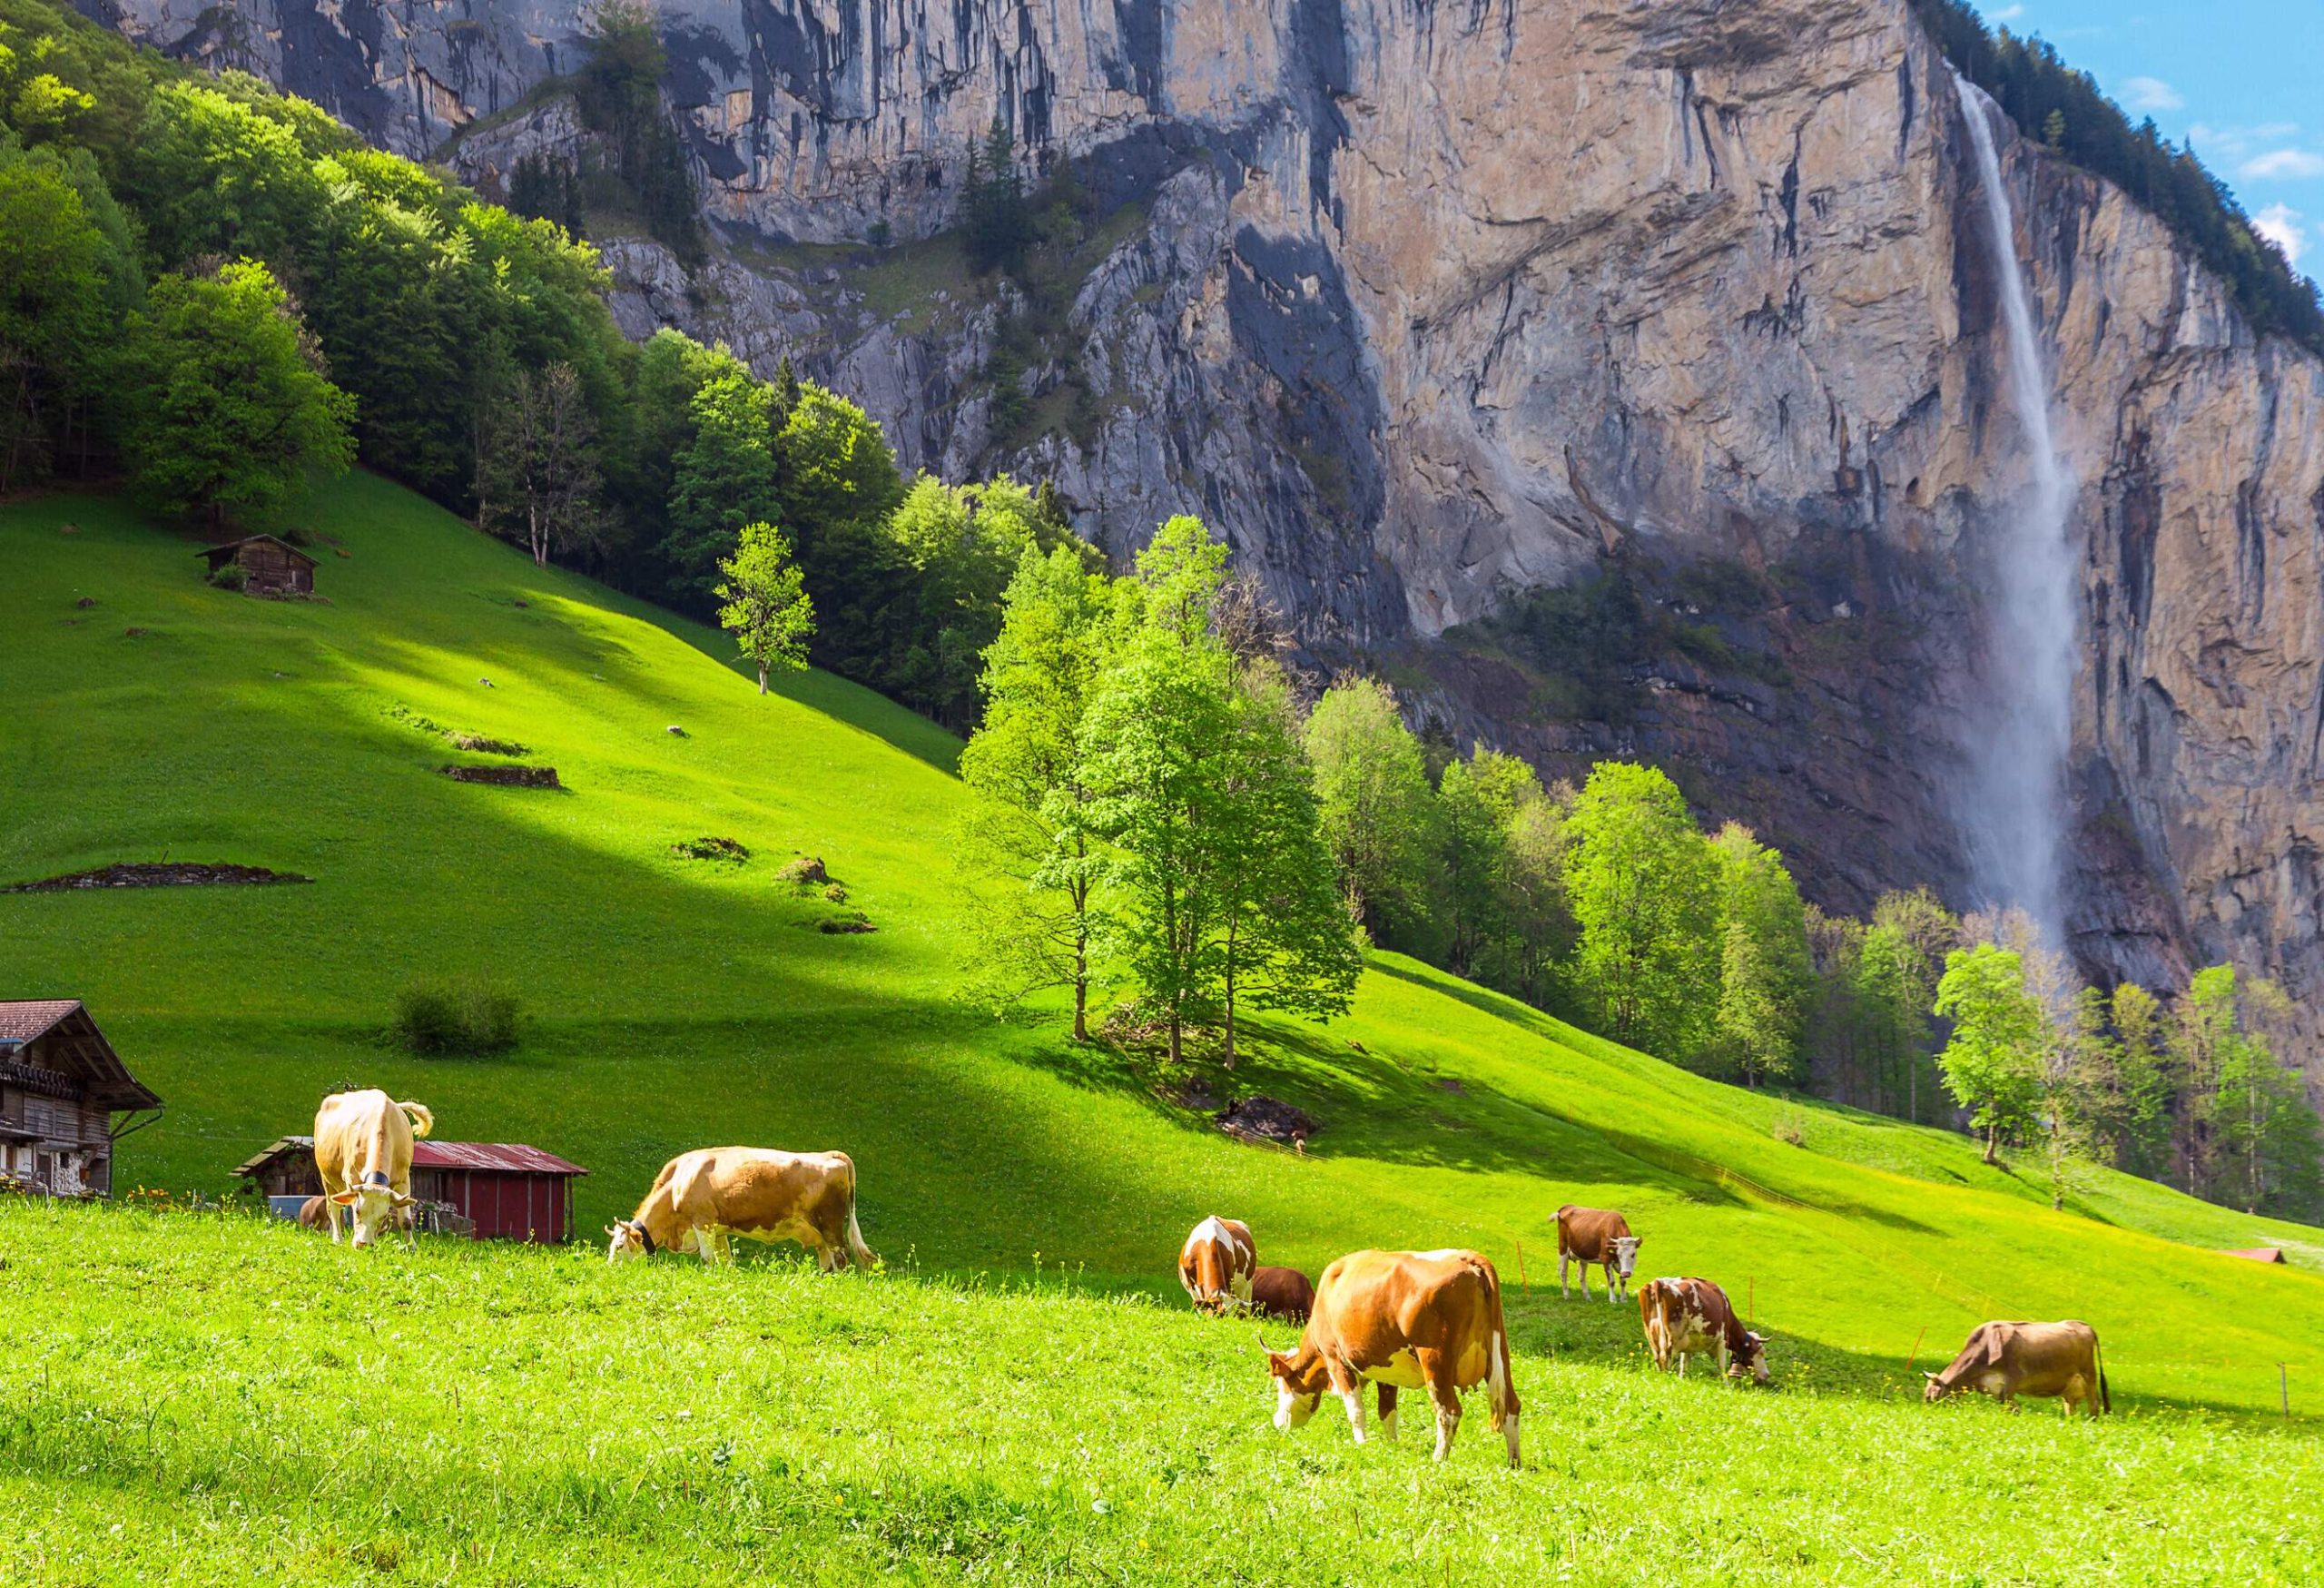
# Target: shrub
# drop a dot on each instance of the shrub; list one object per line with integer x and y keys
{"x": 803, "y": 872}
{"x": 464, "y": 1014}
{"x": 231, "y": 575}
{"x": 1791, "y": 1125}
{"x": 722, "y": 849}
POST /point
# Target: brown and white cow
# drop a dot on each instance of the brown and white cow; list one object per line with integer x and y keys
{"x": 363, "y": 1152}
{"x": 1691, "y": 1317}
{"x": 2005, "y": 1360}
{"x": 703, "y": 1199}
{"x": 1282, "y": 1292}
{"x": 1402, "y": 1320}
{"x": 1216, "y": 1263}
{"x": 1600, "y": 1236}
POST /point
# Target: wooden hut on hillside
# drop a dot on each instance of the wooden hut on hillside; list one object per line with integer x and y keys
{"x": 497, "y": 1190}
{"x": 61, "y": 1084}
{"x": 269, "y": 566}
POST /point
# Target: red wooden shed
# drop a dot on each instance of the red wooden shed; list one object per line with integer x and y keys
{"x": 507, "y": 1190}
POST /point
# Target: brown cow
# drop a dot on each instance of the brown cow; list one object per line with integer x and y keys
{"x": 363, "y": 1152}
{"x": 1282, "y": 1292}
{"x": 1600, "y": 1236}
{"x": 1216, "y": 1263}
{"x": 1687, "y": 1317}
{"x": 704, "y": 1197}
{"x": 1402, "y": 1320}
{"x": 2005, "y": 1360}
{"x": 314, "y": 1213}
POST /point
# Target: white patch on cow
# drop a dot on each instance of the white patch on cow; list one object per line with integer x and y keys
{"x": 1403, "y": 1370}
{"x": 1993, "y": 1381}
{"x": 1388, "y": 1424}
{"x": 1439, "y": 1255}
{"x": 1497, "y": 1374}
{"x": 1509, "y": 1432}
{"x": 1354, "y": 1401}
{"x": 1291, "y": 1407}
{"x": 1448, "y": 1424}
{"x": 1625, "y": 1254}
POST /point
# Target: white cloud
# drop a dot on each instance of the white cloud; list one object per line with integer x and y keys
{"x": 2280, "y": 224}
{"x": 2006, "y": 13}
{"x": 2151, "y": 94}
{"x": 2278, "y": 164}
{"x": 2234, "y": 144}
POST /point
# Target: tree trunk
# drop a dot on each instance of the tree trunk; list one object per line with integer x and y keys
{"x": 1993, "y": 1140}
{"x": 1176, "y": 1046}
{"x": 761, "y": 678}
{"x": 1230, "y": 996}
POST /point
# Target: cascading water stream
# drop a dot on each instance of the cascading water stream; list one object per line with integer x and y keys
{"x": 2016, "y": 815}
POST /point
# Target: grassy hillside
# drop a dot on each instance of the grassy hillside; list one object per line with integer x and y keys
{"x": 196, "y": 1400}
{"x": 673, "y": 1003}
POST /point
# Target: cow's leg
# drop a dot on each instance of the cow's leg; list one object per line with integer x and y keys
{"x": 1609, "y": 1284}
{"x": 1437, "y": 1368}
{"x": 1565, "y": 1291}
{"x": 1388, "y": 1411}
{"x": 1350, "y": 1390}
{"x": 1725, "y": 1357}
{"x": 1682, "y": 1365}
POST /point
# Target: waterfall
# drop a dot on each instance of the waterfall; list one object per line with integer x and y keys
{"x": 2015, "y": 814}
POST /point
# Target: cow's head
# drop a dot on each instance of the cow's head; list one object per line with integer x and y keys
{"x": 1754, "y": 1358}
{"x": 1939, "y": 1387}
{"x": 1296, "y": 1393}
{"x": 376, "y": 1208}
{"x": 627, "y": 1239}
{"x": 1625, "y": 1254}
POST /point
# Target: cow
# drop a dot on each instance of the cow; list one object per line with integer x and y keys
{"x": 314, "y": 1213}
{"x": 1688, "y": 1318}
{"x": 1216, "y": 1263}
{"x": 703, "y": 1199}
{"x": 1282, "y": 1292}
{"x": 363, "y": 1152}
{"x": 1402, "y": 1320}
{"x": 1600, "y": 1236}
{"x": 2005, "y": 1360}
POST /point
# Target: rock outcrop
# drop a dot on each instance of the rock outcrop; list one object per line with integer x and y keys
{"x": 1422, "y": 305}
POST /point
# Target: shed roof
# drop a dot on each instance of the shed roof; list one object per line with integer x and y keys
{"x": 221, "y": 549}
{"x": 79, "y": 1044}
{"x": 496, "y": 1156}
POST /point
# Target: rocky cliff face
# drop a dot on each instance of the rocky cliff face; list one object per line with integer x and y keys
{"x": 1424, "y": 302}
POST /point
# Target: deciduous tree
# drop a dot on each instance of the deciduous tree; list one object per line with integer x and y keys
{"x": 766, "y": 606}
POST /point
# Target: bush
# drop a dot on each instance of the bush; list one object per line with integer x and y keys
{"x": 231, "y": 575}
{"x": 466, "y": 1014}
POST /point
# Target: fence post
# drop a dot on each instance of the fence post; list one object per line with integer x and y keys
{"x": 2283, "y": 1388}
{"x": 1521, "y": 1280}
{"x": 1914, "y": 1360}
{"x": 1751, "y": 1306}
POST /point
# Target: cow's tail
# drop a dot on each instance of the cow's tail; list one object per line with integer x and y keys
{"x": 2105, "y": 1396}
{"x": 858, "y": 1253}
{"x": 1503, "y": 1401}
{"x": 422, "y": 1119}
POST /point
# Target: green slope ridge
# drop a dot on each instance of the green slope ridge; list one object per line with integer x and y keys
{"x": 673, "y": 1004}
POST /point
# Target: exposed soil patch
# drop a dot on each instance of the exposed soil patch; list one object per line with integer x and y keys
{"x": 807, "y": 869}
{"x": 158, "y": 875}
{"x": 506, "y": 777}
{"x": 729, "y": 850}
{"x": 1260, "y": 1118}
{"x": 842, "y": 926}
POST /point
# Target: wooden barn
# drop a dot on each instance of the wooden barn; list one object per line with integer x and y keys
{"x": 61, "y": 1084}
{"x": 502, "y": 1191}
{"x": 271, "y": 566}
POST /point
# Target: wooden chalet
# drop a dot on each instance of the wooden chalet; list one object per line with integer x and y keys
{"x": 499, "y": 1190}
{"x": 61, "y": 1084}
{"x": 273, "y": 567}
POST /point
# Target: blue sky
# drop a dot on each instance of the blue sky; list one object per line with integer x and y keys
{"x": 2243, "y": 78}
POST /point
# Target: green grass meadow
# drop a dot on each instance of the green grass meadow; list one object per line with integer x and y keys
{"x": 1019, "y": 1398}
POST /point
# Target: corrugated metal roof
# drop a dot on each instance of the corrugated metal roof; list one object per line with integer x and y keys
{"x": 506, "y": 1158}
{"x": 509, "y": 1158}
{"x": 24, "y": 1018}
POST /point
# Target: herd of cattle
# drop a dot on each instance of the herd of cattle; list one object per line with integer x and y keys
{"x": 1426, "y": 1320}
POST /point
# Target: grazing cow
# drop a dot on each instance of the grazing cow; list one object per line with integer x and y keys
{"x": 1688, "y": 1318}
{"x": 1402, "y": 1320}
{"x": 704, "y": 1197}
{"x": 363, "y": 1151}
{"x": 1282, "y": 1292}
{"x": 2005, "y": 1360}
{"x": 314, "y": 1213}
{"x": 1216, "y": 1263}
{"x": 1600, "y": 1236}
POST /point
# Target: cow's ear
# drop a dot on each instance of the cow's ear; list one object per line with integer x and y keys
{"x": 1992, "y": 1348}
{"x": 348, "y": 1199}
